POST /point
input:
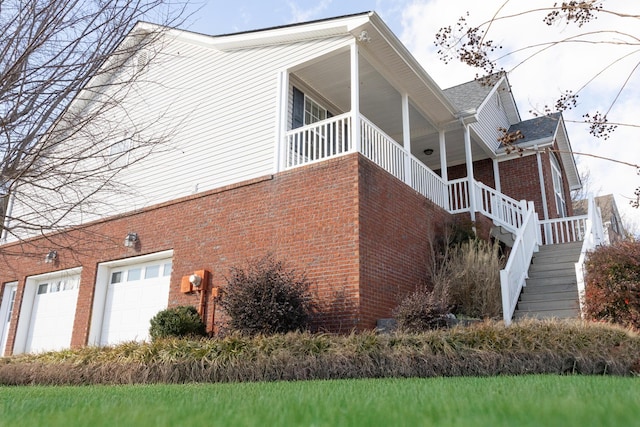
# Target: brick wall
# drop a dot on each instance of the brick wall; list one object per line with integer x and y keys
{"x": 360, "y": 235}
{"x": 397, "y": 228}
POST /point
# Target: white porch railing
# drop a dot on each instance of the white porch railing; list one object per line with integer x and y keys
{"x": 318, "y": 141}
{"x": 381, "y": 149}
{"x": 593, "y": 236}
{"x": 563, "y": 230}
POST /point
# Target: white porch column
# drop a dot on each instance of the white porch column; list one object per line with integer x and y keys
{"x": 543, "y": 191}
{"x": 406, "y": 139}
{"x": 469, "y": 160}
{"x": 443, "y": 157}
{"x": 496, "y": 175}
{"x": 281, "y": 149}
{"x": 355, "y": 97}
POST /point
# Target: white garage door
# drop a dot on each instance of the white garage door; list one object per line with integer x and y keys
{"x": 135, "y": 294}
{"x": 52, "y": 315}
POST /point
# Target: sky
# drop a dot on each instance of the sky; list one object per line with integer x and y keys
{"x": 536, "y": 80}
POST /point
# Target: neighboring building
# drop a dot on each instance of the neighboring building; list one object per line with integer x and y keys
{"x": 611, "y": 219}
{"x": 316, "y": 143}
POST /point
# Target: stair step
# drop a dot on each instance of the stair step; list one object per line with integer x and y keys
{"x": 547, "y": 314}
{"x": 550, "y": 295}
{"x": 554, "y": 266}
{"x": 552, "y": 304}
{"x": 552, "y": 274}
{"x": 549, "y": 288}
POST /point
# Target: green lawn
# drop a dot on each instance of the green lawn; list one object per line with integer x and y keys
{"x": 495, "y": 401}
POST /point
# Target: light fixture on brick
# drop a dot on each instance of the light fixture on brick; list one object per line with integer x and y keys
{"x": 51, "y": 257}
{"x": 131, "y": 240}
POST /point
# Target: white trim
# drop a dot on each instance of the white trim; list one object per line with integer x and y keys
{"x": 496, "y": 175}
{"x": 281, "y": 119}
{"x": 7, "y": 307}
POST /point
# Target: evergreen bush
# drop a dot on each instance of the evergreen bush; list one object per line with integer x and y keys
{"x": 179, "y": 321}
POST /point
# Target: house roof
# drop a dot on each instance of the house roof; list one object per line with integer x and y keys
{"x": 469, "y": 95}
{"x": 537, "y": 129}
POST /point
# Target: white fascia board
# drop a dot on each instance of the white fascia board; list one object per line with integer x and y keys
{"x": 491, "y": 93}
{"x": 287, "y": 34}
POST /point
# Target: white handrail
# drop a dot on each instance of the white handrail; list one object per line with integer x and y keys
{"x": 514, "y": 274}
{"x": 593, "y": 236}
{"x": 501, "y": 208}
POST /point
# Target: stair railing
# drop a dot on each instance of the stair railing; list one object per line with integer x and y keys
{"x": 514, "y": 274}
{"x": 593, "y": 237}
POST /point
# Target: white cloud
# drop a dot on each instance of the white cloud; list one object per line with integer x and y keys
{"x": 543, "y": 77}
{"x": 299, "y": 14}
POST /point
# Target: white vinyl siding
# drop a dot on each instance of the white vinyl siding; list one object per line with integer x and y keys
{"x": 218, "y": 113}
{"x": 491, "y": 117}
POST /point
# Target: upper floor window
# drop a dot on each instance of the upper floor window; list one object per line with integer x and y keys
{"x": 306, "y": 110}
{"x": 558, "y": 188}
{"x": 313, "y": 112}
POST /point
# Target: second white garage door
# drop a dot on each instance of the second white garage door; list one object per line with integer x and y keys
{"x": 135, "y": 294}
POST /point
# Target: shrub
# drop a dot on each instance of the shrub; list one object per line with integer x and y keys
{"x": 266, "y": 298}
{"x": 421, "y": 310}
{"x": 467, "y": 277}
{"x": 177, "y": 322}
{"x": 612, "y": 288}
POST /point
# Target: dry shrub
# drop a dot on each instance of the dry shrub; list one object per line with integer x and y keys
{"x": 612, "y": 289}
{"x": 422, "y": 310}
{"x": 487, "y": 348}
{"x": 266, "y": 298}
{"x": 467, "y": 277}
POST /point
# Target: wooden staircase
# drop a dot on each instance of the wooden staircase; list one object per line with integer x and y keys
{"x": 551, "y": 290}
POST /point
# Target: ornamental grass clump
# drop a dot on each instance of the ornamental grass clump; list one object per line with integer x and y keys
{"x": 467, "y": 278}
{"x": 266, "y": 298}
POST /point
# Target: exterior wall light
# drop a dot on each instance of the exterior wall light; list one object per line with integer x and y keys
{"x": 51, "y": 257}
{"x": 428, "y": 151}
{"x": 131, "y": 240}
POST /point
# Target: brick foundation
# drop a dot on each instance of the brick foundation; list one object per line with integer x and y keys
{"x": 361, "y": 236}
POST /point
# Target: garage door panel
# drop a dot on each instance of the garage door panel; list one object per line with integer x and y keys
{"x": 52, "y": 316}
{"x": 140, "y": 292}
